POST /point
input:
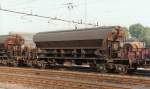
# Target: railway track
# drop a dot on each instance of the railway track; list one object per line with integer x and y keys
{"x": 52, "y": 83}
{"x": 71, "y": 80}
{"x": 44, "y": 81}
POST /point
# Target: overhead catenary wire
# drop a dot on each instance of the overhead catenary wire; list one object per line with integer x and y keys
{"x": 47, "y": 17}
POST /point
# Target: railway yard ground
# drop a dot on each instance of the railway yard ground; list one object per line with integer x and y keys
{"x": 29, "y": 78}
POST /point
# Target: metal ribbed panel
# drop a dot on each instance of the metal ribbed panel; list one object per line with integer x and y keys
{"x": 80, "y": 34}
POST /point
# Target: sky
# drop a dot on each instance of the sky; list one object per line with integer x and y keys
{"x": 105, "y": 12}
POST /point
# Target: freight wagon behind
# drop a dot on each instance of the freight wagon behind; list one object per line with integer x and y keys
{"x": 99, "y": 48}
{"x": 2, "y": 45}
{"x": 13, "y": 51}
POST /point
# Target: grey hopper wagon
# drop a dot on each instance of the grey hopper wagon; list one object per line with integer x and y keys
{"x": 81, "y": 46}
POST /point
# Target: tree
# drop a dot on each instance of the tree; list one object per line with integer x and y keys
{"x": 136, "y": 30}
{"x": 146, "y": 36}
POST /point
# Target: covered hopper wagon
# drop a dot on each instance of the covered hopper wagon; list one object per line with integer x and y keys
{"x": 99, "y": 47}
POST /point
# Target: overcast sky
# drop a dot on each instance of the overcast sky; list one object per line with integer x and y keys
{"x": 106, "y": 12}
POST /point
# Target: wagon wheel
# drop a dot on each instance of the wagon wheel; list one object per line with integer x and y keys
{"x": 44, "y": 66}
{"x": 101, "y": 68}
{"x": 122, "y": 69}
{"x": 30, "y": 63}
{"x": 15, "y": 63}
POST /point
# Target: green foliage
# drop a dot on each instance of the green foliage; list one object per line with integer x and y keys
{"x": 146, "y": 36}
{"x": 136, "y": 30}
{"x": 140, "y": 32}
